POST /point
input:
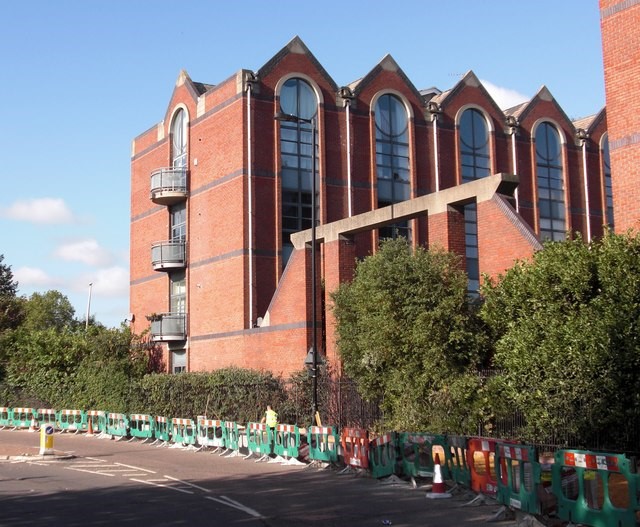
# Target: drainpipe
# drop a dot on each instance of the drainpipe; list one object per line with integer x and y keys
{"x": 582, "y": 136}
{"x": 512, "y": 126}
{"x": 434, "y": 110}
{"x": 250, "y": 79}
{"x": 346, "y": 94}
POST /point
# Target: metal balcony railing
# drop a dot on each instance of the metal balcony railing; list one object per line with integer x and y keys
{"x": 168, "y": 327}
{"x": 169, "y": 185}
{"x": 168, "y": 255}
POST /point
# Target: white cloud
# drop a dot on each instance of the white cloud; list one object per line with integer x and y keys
{"x": 40, "y": 210}
{"x": 34, "y": 277}
{"x": 109, "y": 282}
{"x": 504, "y": 97}
{"x": 87, "y": 251}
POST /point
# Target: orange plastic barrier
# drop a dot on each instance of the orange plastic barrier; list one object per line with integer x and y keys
{"x": 355, "y": 447}
{"x": 481, "y": 459}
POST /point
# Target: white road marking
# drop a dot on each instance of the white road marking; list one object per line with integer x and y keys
{"x": 232, "y": 503}
{"x": 171, "y": 487}
{"x": 188, "y": 484}
{"x": 135, "y": 468}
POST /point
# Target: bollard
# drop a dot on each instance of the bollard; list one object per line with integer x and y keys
{"x": 46, "y": 440}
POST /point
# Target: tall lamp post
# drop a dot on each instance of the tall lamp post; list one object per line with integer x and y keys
{"x": 312, "y": 356}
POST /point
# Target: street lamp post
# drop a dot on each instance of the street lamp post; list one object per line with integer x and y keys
{"x": 313, "y": 351}
{"x": 86, "y": 325}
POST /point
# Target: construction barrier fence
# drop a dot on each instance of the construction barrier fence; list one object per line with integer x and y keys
{"x": 418, "y": 451}
{"x": 382, "y": 455}
{"x": 519, "y": 477}
{"x": 323, "y": 444}
{"x": 211, "y": 433}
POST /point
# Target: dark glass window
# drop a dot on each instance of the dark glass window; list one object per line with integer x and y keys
{"x": 606, "y": 164}
{"x": 179, "y": 140}
{"x": 474, "y": 146}
{"x": 471, "y": 248}
{"x": 551, "y": 208}
{"x": 296, "y": 144}
{"x": 178, "y": 220}
{"x": 392, "y": 159}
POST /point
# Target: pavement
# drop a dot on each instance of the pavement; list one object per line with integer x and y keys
{"x": 18, "y": 452}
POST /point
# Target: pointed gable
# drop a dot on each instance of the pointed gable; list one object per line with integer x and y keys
{"x": 544, "y": 96}
{"x": 389, "y": 64}
{"x": 468, "y": 80}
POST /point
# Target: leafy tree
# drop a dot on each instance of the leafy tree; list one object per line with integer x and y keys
{"x": 408, "y": 335}
{"x": 11, "y": 307}
{"x": 566, "y": 328}
{"x": 49, "y": 310}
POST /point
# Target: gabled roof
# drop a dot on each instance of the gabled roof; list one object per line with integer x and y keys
{"x": 386, "y": 64}
{"x": 468, "y": 79}
{"x": 296, "y": 46}
{"x": 543, "y": 95}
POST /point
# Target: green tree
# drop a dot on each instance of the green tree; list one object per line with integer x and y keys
{"x": 566, "y": 326}
{"x": 49, "y": 310}
{"x": 11, "y": 307}
{"x": 408, "y": 335}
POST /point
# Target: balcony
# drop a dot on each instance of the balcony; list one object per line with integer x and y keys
{"x": 169, "y": 185}
{"x": 166, "y": 327}
{"x": 168, "y": 255}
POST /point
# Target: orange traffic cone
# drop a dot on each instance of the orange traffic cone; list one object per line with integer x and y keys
{"x": 33, "y": 427}
{"x": 438, "y": 489}
{"x": 90, "y": 427}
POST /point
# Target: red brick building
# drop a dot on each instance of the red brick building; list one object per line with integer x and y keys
{"x": 222, "y": 198}
{"x": 620, "y": 23}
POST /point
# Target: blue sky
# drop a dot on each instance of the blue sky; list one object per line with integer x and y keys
{"x": 81, "y": 79}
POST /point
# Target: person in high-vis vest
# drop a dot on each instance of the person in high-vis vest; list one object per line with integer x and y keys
{"x": 271, "y": 419}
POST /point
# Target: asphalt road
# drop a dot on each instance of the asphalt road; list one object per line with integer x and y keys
{"x": 121, "y": 483}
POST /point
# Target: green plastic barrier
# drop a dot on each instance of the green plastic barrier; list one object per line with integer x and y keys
{"x": 96, "y": 421}
{"x": 183, "y": 431}
{"x": 23, "y": 417}
{"x": 259, "y": 438}
{"x": 117, "y": 425}
{"x": 456, "y": 460}
{"x": 323, "y": 443}
{"x": 47, "y": 416}
{"x": 211, "y": 433}
{"x": 417, "y": 454}
{"x": 141, "y": 426}
{"x": 161, "y": 430}
{"x": 287, "y": 441}
{"x": 518, "y": 477}
{"x": 72, "y": 420}
{"x": 595, "y": 489}
{"x": 382, "y": 455}
{"x": 6, "y": 416}
{"x": 232, "y": 436}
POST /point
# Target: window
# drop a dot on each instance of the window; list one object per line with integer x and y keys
{"x": 179, "y": 140}
{"x": 296, "y": 144}
{"x": 471, "y": 248}
{"x": 179, "y": 361}
{"x": 178, "y": 293}
{"x": 392, "y": 159}
{"x": 608, "y": 189}
{"x": 178, "y": 222}
{"x": 550, "y": 183}
{"x": 474, "y": 146}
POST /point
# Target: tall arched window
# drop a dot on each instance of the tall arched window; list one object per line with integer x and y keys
{"x": 392, "y": 158}
{"x": 297, "y": 98}
{"x": 179, "y": 140}
{"x": 550, "y": 179}
{"x": 608, "y": 189}
{"x": 474, "y": 145}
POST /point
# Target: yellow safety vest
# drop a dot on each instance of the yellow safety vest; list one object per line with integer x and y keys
{"x": 272, "y": 418}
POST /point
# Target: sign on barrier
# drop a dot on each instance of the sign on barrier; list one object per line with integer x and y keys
{"x": 259, "y": 438}
{"x": 323, "y": 443}
{"x": 481, "y": 457}
{"x": 141, "y": 426}
{"x": 519, "y": 477}
{"x": 382, "y": 455}
{"x": 211, "y": 432}
{"x": 287, "y": 441}
{"x": 456, "y": 460}
{"x": 595, "y": 489}
{"x": 417, "y": 452}
{"x": 355, "y": 447}
{"x": 72, "y": 420}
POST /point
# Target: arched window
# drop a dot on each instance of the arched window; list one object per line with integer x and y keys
{"x": 474, "y": 145}
{"x": 179, "y": 140}
{"x": 392, "y": 158}
{"x": 550, "y": 183}
{"x": 608, "y": 189}
{"x": 298, "y": 99}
